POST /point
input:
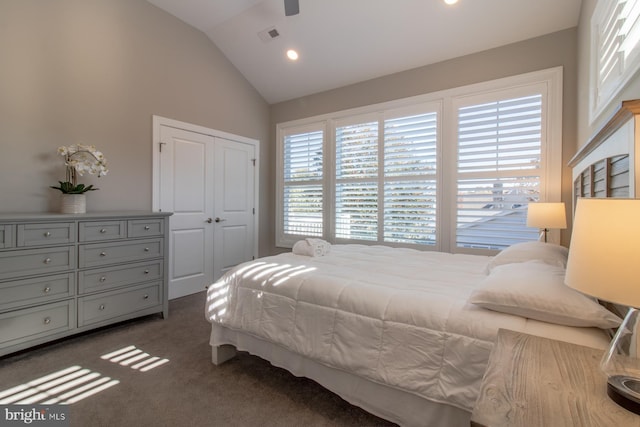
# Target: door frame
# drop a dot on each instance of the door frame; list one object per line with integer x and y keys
{"x": 159, "y": 121}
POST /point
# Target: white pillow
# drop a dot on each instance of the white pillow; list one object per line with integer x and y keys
{"x": 549, "y": 253}
{"x": 536, "y": 290}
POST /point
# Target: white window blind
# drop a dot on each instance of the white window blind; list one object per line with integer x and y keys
{"x": 357, "y": 181}
{"x": 499, "y": 159}
{"x": 410, "y": 166}
{"x": 452, "y": 171}
{"x": 405, "y": 186}
{"x": 615, "y": 33}
{"x": 303, "y": 183}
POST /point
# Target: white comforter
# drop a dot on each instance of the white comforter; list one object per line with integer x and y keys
{"x": 398, "y": 317}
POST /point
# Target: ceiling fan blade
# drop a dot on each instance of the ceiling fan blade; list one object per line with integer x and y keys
{"x": 291, "y": 7}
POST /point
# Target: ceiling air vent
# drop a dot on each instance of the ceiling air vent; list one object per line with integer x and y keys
{"x": 269, "y": 34}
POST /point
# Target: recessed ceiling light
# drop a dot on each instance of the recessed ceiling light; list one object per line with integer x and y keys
{"x": 292, "y": 55}
{"x": 451, "y": 1}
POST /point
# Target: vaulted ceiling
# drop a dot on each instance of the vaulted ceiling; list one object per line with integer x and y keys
{"x": 341, "y": 42}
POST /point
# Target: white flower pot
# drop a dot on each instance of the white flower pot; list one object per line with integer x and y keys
{"x": 73, "y": 203}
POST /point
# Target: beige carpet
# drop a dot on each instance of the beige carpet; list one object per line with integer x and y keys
{"x": 186, "y": 390}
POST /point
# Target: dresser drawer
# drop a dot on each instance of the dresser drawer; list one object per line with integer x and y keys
{"x": 36, "y": 261}
{"x": 46, "y": 234}
{"x": 112, "y": 277}
{"x": 109, "y": 305}
{"x": 6, "y": 236}
{"x": 92, "y": 231}
{"x": 151, "y": 227}
{"x": 99, "y": 254}
{"x": 36, "y": 322}
{"x": 37, "y": 290}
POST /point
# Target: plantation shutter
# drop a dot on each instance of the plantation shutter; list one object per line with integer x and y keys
{"x": 499, "y": 157}
{"x": 356, "y": 203}
{"x": 410, "y": 160}
{"x": 303, "y": 185}
{"x": 616, "y": 44}
{"x": 630, "y": 30}
{"x": 453, "y": 172}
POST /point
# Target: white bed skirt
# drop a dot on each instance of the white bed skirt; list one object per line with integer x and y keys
{"x": 392, "y": 404}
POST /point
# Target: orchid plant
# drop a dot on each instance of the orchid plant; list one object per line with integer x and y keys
{"x": 80, "y": 159}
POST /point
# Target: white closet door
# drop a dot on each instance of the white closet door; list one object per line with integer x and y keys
{"x": 209, "y": 183}
{"x": 234, "y": 204}
{"x": 186, "y": 189}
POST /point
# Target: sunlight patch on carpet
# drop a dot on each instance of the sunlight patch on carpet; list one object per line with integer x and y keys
{"x": 63, "y": 387}
{"x": 134, "y": 358}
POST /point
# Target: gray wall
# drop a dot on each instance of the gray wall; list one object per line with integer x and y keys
{"x": 557, "y": 49}
{"x": 94, "y": 72}
{"x": 587, "y": 129}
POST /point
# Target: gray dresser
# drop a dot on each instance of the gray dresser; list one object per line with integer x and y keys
{"x": 64, "y": 274}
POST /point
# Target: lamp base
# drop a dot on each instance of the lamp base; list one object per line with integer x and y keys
{"x": 625, "y": 391}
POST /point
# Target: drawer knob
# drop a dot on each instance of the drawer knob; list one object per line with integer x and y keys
{"x": 103, "y": 254}
{"x": 47, "y": 260}
{"x": 145, "y": 296}
{"x": 47, "y": 320}
{"x": 146, "y": 249}
{"x": 101, "y": 307}
{"x": 47, "y": 234}
{"x": 102, "y": 230}
{"x": 146, "y": 272}
{"x": 46, "y": 290}
{"x": 146, "y": 227}
{"x": 103, "y": 278}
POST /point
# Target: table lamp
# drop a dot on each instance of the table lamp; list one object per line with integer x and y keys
{"x": 546, "y": 216}
{"x": 604, "y": 262}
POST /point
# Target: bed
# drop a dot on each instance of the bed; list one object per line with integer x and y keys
{"x": 406, "y": 334}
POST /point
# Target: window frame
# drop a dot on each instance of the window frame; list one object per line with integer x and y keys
{"x": 433, "y": 107}
{"x": 547, "y": 192}
{"x": 344, "y": 122}
{"x": 446, "y": 145}
{"x": 286, "y": 239}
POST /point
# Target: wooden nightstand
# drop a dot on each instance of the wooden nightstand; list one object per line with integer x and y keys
{"x": 533, "y": 381}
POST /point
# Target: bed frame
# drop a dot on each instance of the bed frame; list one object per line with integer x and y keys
{"x": 605, "y": 167}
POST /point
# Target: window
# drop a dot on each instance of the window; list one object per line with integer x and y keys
{"x": 410, "y": 166}
{"x": 386, "y": 177}
{"x": 615, "y": 49}
{"x": 302, "y": 184}
{"x": 356, "y": 198}
{"x": 499, "y": 162}
{"x": 452, "y": 171}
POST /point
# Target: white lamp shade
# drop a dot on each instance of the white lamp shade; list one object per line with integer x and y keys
{"x": 604, "y": 256}
{"x": 546, "y": 215}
